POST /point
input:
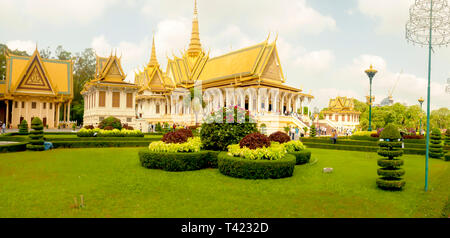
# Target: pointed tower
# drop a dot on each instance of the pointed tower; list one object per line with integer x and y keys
{"x": 153, "y": 60}
{"x": 195, "y": 47}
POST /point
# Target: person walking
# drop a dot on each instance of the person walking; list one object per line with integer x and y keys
{"x": 3, "y": 127}
{"x": 293, "y": 133}
{"x": 296, "y": 132}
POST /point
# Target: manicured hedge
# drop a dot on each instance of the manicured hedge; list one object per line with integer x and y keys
{"x": 302, "y": 157}
{"x": 359, "y": 148}
{"x": 256, "y": 169}
{"x": 147, "y": 139}
{"x": 94, "y": 144}
{"x": 13, "y": 147}
{"x": 447, "y": 157}
{"x": 177, "y": 161}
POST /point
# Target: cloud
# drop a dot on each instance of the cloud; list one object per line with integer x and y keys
{"x": 28, "y": 13}
{"x": 315, "y": 61}
{"x": 390, "y": 15}
{"x": 22, "y": 45}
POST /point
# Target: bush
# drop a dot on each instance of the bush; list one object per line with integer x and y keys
{"x": 23, "y": 128}
{"x": 294, "y": 146}
{"x": 302, "y": 157}
{"x": 274, "y": 152}
{"x": 108, "y": 128}
{"x": 127, "y": 127}
{"x": 447, "y": 137}
{"x": 256, "y": 169}
{"x": 279, "y": 137}
{"x": 89, "y": 127}
{"x": 221, "y": 129}
{"x": 13, "y": 147}
{"x": 413, "y": 137}
{"x": 447, "y": 156}
{"x": 390, "y": 171}
{"x": 109, "y": 133}
{"x": 174, "y": 137}
{"x": 37, "y": 135}
{"x": 254, "y": 141}
{"x": 110, "y": 122}
{"x": 187, "y": 132}
{"x": 158, "y": 127}
{"x": 436, "y": 148}
{"x": 192, "y": 145}
{"x": 313, "y": 131}
{"x": 177, "y": 161}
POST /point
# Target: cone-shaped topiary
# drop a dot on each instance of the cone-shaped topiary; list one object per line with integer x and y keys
{"x": 313, "y": 131}
{"x": 23, "y": 128}
{"x": 447, "y": 137}
{"x": 436, "y": 150}
{"x": 36, "y": 135}
{"x": 390, "y": 170}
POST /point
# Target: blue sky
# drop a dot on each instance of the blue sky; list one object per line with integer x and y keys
{"x": 324, "y": 45}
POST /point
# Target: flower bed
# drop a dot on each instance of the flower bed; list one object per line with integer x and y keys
{"x": 256, "y": 169}
{"x": 109, "y": 133}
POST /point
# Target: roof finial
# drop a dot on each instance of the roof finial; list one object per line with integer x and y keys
{"x": 268, "y": 36}
{"x": 195, "y": 9}
{"x": 276, "y": 38}
{"x": 153, "y": 60}
{"x": 195, "y": 47}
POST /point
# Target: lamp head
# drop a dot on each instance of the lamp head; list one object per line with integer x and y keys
{"x": 371, "y": 72}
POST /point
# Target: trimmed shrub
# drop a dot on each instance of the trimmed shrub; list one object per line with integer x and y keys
{"x": 436, "y": 148}
{"x": 302, "y": 157}
{"x": 37, "y": 135}
{"x": 13, "y": 147}
{"x": 313, "y": 131}
{"x": 447, "y": 137}
{"x": 193, "y": 144}
{"x": 177, "y": 161}
{"x": 110, "y": 122}
{"x": 127, "y": 127}
{"x": 109, "y": 133}
{"x": 158, "y": 127}
{"x": 187, "y": 132}
{"x": 174, "y": 137}
{"x": 225, "y": 127}
{"x": 254, "y": 141}
{"x": 108, "y": 128}
{"x": 89, "y": 127}
{"x": 279, "y": 137}
{"x": 294, "y": 146}
{"x": 256, "y": 169}
{"x": 274, "y": 152}
{"x": 390, "y": 171}
{"x": 447, "y": 156}
{"x": 23, "y": 128}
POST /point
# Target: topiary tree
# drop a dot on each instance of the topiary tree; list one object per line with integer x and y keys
{"x": 23, "y": 128}
{"x": 313, "y": 131}
{"x": 436, "y": 148}
{"x": 447, "y": 137}
{"x": 158, "y": 127}
{"x": 36, "y": 135}
{"x": 390, "y": 171}
{"x": 225, "y": 127}
{"x": 110, "y": 122}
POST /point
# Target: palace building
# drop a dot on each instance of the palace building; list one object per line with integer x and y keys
{"x": 108, "y": 94}
{"x": 251, "y": 78}
{"x": 36, "y": 87}
{"x": 341, "y": 113}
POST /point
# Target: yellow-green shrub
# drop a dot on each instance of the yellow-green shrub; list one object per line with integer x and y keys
{"x": 293, "y": 146}
{"x": 193, "y": 144}
{"x": 274, "y": 152}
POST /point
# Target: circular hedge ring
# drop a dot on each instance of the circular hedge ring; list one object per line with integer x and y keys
{"x": 302, "y": 157}
{"x": 256, "y": 169}
{"x": 396, "y": 173}
{"x": 177, "y": 161}
{"x": 397, "y": 184}
{"x": 393, "y": 163}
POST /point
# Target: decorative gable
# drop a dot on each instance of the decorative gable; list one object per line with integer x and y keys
{"x": 272, "y": 70}
{"x": 35, "y": 77}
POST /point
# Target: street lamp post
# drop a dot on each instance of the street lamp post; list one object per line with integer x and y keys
{"x": 371, "y": 73}
{"x": 429, "y": 25}
{"x": 421, "y": 100}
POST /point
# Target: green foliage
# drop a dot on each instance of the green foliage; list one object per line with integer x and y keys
{"x": 193, "y": 144}
{"x": 390, "y": 171}
{"x": 313, "y": 131}
{"x": 83, "y": 132}
{"x": 177, "y": 161}
{"x": 274, "y": 152}
{"x": 23, "y": 128}
{"x": 37, "y": 135}
{"x": 256, "y": 169}
{"x": 447, "y": 136}
{"x": 218, "y": 133}
{"x": 110, "y": 121}
{"x": 390, "y": 132}
{"x": 294, "y": 146}
{"x": 447, "y": 156}
{"x": 302, "y": 157}
{"x": 286, "y": 129}
{"x": 158, "y": 127}
{"x": 13, "y": 147}
{"x": 436, "y": 147}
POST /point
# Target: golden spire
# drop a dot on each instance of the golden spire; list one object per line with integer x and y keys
{"x": 153, "y": 60}
{"x": 195, "y": 47}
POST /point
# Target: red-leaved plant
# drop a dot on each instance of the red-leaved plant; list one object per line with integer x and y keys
{"x": 255, "y": 140}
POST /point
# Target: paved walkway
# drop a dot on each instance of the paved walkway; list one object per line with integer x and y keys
{"x": 7, "y": 142}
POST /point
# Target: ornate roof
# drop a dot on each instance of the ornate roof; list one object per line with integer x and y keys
{"x": 341, "y": 105}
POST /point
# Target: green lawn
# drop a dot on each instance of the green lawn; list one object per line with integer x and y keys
{"x": 44, "y": 184}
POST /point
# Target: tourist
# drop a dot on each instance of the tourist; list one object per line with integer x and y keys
{"x": 3, "y": 127}
{"x": 296, "y": 132}
{"x": 293, "y": 133}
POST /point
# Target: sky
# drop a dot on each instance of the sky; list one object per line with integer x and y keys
{"x": 324, "y": 45}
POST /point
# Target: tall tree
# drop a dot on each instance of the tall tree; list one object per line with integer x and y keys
{"x": 3, "y": 49}
{"x": 440, "y": 118}
{"x": 62, "y": 54}
{"x": 46, "y": 53}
